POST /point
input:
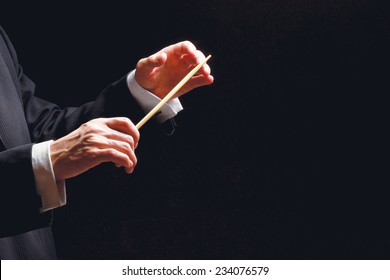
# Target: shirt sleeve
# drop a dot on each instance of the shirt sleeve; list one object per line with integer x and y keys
{"x": 147, "y": 100}
{"x": 52, "y": 192}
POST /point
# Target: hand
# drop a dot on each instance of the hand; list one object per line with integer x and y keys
{"x": 160, "y": 72}
{"x": 99, "y": 140}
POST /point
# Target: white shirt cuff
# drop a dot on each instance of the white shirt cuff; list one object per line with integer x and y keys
{"x": 148, "y": 100}
{"x": 52, "y": 192}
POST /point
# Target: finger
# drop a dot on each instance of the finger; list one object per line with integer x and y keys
{"x": 102, "y": 142}
{"x": 198, "y": 81}
{"x": 195, "y": 82}
{"x": 193, "y": 61}
{"x": 153, "y": 61}
{"x": 113, "y": 134}
{"x": 205, "y": 70}
{"x": 113, "y": 155}
{"x": 129, "y": 170}
{"x": 125, "y": 126}
{"x": 122, "y": 147}
{"x": 185, "y": 47}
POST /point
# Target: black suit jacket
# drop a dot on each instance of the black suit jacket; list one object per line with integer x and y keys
{"x": 27, "y": 119}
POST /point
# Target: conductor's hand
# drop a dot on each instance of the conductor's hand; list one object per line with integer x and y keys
{"x": 160, "y": 72}
{"x": 99, "y": 140}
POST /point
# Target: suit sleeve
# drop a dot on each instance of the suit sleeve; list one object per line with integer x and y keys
{"x": 19, "y": 202}
{"x": 47, "y": 121}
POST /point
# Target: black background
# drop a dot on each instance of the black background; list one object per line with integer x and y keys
{"x": 283, "y": 157}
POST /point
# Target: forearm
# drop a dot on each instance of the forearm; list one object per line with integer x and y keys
{"x": 48, "y": 121}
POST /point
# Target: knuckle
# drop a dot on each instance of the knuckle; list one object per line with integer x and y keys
{"x": 141, "y": 62}
{"x": 188, "y": 43}
{"x": 88, "y": 127}
{"x": 126, "y": 146}
{"x": 137, "y": 135}
{"x": 110, "y": 153}
{"x": 85, "y": 126}
{"x": 128, "y": 121}
{"x": 90, "y": 139}
{"x": 130, "y": 140}
{"x": 90, "y": 153}
{"x": 123, "y": 119}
